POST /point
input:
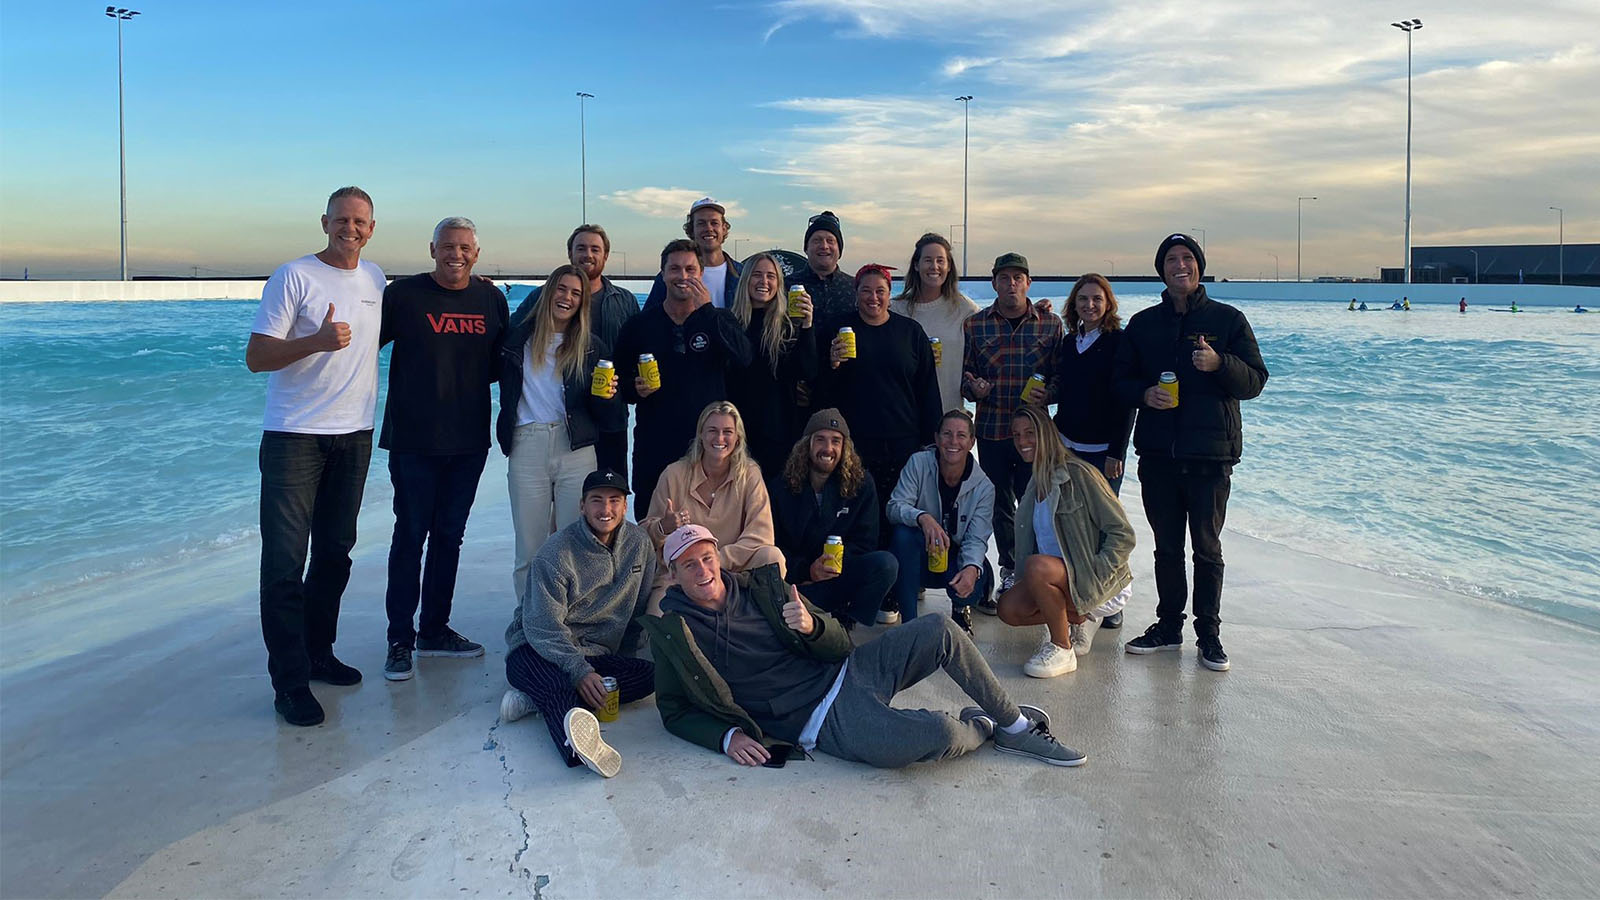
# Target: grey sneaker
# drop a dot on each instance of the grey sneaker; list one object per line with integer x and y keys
{"x": 1040, "y": 744}
{"x": 398, "y": 666}
{"x": 448, "y": 643}
{"x": 515, "y": 705}
{"x": 978, "y": 717}
{"x": 583, "y": 736}
{"x": 1033, "y": 714}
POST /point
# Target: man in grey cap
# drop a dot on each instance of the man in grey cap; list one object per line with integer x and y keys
{"x": 575, "y": 625}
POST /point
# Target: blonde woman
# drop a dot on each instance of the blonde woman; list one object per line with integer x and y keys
{"x": 932, "y": 295}
{"x": 1072, "y": 547}
{"x": 718, "y": 486}
{"x": 785, "y": 354}
{"x": 549, "y": 416}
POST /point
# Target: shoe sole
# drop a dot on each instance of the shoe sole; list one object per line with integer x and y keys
{"x": 1141, "y": 651}
{"x": 399, "y": 676}
{"x": 454, "y": 654}
{"x": 1032, "y": 674}
{"x": 321, "y": 717}
{"x": 1065, "y": 763}
{"x": 885, "y": 620}
{"x": 1215, "y": 666}
{"x": 1106, "y": 625}
{"x": 583, "y": 735}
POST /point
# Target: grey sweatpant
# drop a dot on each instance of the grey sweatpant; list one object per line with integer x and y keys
{"x": 861, "y": 725}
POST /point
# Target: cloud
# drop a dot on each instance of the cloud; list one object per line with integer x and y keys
{"x": 1095, "y": 130}
{"x": 666, "y": 203}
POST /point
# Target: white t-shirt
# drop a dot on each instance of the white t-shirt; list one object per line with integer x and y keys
{"x": 715, "y": 278}
{"x": 329, "y": 392}
{"x": 542, "y": 397}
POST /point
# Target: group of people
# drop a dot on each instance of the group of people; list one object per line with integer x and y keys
{"x": 802, "y": 462}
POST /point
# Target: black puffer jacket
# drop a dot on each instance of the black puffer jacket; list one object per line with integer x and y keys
{"x": 800, "y": 526}
{"x": 1205, "y": 424}
{"x": 587, "y": 415}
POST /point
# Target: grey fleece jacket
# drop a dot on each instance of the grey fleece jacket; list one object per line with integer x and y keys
{"x": 918, "y": 493}
{"x": 583, "y": 596}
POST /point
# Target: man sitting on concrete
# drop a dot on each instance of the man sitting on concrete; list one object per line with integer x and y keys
{"x": 825, "y": 491}
{"x": 783, "y": 676}
{"x": 586, "y": 586}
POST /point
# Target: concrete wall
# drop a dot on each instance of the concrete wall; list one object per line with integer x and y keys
{"x": 44, "y": 291}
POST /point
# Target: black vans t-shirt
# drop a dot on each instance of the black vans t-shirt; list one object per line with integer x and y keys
{"x": 443, "y": 364}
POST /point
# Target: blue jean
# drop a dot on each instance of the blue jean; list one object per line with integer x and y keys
{"x": 433, "y": 496}
{"x": 311, "y": 487}
{"x": 909, "y": 548}
{"x": 859, "y": 590}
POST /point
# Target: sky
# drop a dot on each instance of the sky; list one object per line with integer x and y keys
{"x": 1095, "y": 129}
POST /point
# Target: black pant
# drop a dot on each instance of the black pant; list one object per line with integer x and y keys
{"x": 611, "y": 451}
{"x": 883, "y": 458}
{"x": 433, "y": 496}
{"x": 554, "y": 693}
{"x": 1009, "y": 473}
{"x": 311, "y": 486}
{"x": 1192, "y": 495}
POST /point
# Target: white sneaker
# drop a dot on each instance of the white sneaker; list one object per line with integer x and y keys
{"x": 1051, "y": 661}
{"x": 888, "y": 617}
{"x": 1083, "y": 636}
{"x": 583, "y": 736}
{"x": 515, "y": 705}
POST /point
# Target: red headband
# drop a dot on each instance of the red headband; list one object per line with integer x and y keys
{"x": 870, "y": 268}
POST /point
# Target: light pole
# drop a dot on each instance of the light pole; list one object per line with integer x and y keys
{"x": 963, "y": 245}
{"x": 583, "y": 156}
{"x": 1275, "y": 266}
{"x": 1202, "y": 237}
{"x": 1474, "y": 264}
{"x": 1113, "y": 267}
{"x": 624, "y": 256}
{"x": 1297, "y": 202}
{"x": 122, "y": 15}
{"x": 1561, "y": 251}
{"x": 1408, "y": 26}
{"x": 966, "y": 108}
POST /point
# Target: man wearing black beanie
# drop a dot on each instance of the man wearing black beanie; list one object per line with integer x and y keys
{"x": 833, "y": 293}
{"x": 1188, "y": 437}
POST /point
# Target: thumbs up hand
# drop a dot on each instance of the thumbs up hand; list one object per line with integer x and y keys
{"x": 1204, "y": 358}
{"x": 672, "y": 519}
{"x": 333, "y": 335}
{"x": 795, "y": 614}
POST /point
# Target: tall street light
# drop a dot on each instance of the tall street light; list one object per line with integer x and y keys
{"x": 1474, "y": 264}
{"x": 1561, "y": 252}
{"x": 122, "y": 15}
{"x": 1113, "y": 267}
{"x": 966, "y": 108}
{"x": 1408, "y": 26}
{"x": 583, "y": 156}
{"x": 1275, "y": 266}
{"x": 1297, "y": 202}
{"x": 1202, "y": 237}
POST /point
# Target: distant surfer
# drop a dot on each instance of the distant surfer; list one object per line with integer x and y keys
{"x": 1463, "y": 304}
{"x": 1362, "y": 307}
{"x": 1579, "y": 308}
{"x": 1514, "y": 307}
{"x": 1352, "y": 304}
{"x": 1405, "y": 304}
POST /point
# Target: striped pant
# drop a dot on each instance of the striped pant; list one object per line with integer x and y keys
{"x": 553, "y": 692}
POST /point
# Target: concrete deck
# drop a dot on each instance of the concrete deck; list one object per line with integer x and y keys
{"x": 1375, "y": 739}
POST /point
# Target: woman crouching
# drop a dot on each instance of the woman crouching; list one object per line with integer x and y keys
{"x": 1072, "y": 547}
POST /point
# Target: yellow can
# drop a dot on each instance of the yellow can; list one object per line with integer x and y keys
{"x": 600, "y": 382}
{"x": 938, "y": 559}
{"x": 848, "y": 336}
{"x": 833, "y": 552}
{"x": 938, "y": 350}
{"x": 1169, "y": 383}
{"x": 1033, "y": 388}
{"x": 613, "y": 704}
{"x": 650, "y": 371}
{"x": 795, "y": 293}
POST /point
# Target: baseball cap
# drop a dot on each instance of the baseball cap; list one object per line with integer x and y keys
{"x": 1012, "y": 260}
{"x": 683, "y": 539}
{"x": 704, "y": 202}
{"x": 605, "y": 478}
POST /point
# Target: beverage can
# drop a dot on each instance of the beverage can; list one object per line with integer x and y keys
{"x": 613, "y": 704}
{"x": 1033, "y": 388}
{"x": 938, "y": 350}
{"x": 650, "y": 371}
{"x": 795, "y": 293}
{"x": 600, "y": 382}
{"x": 938, "y": 559}
{"x": 1169, "y": 383}
{"x": 833, "y": 549}
{"x": 848, "y": 335}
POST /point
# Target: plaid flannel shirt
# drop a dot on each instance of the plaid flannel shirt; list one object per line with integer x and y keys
{"x": 1006, "y": 358}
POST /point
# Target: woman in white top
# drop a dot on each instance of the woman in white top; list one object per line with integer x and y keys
{"x": 549, "y": 416}
{"x": 933, "y": 297}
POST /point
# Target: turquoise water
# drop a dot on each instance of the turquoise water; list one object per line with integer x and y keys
{"x": 1455, "y": 450}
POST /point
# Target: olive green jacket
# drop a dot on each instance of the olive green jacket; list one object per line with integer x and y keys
{"x": 1090, "y": 526}
{"x": 696, "y": 704}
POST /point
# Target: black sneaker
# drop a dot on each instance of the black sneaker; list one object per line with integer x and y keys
{"x": 398, "y": 666}
{"x": 1212, "y": 656}
{"x": 298, "y": 706}
{"x": 989, "y": 606}
{"x": 962, "y": 615}
{"x": 1156, "y": 638}
{"x": 329, "y": 670}
{"x": 1112, "y": 621}
{"x": 448, "y": 643}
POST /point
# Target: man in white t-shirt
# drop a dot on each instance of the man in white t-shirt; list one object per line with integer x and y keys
{"x": 316, "y": 332}
{"x": 707, "y": 225}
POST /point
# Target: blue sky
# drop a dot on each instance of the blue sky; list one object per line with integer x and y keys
{"x": 1096, "y": 128}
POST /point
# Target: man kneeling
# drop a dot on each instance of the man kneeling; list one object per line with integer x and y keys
{"x": 747, "y": 667}
{"x": 585, "y": 587}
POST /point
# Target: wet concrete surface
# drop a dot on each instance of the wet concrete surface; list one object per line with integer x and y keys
{"x": 1375, "y": 738}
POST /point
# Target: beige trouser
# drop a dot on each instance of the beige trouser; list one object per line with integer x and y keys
{"x": 545, "y": 478}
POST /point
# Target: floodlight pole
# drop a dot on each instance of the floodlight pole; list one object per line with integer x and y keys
{"x": 122, "y": 15}
{"x": 1561, "y": 247}
{"x": 1297, "y": 202}
{"x": 966, "y": 107}
{"x": 1408, "y": 26}
{"x": 583, "y": 157}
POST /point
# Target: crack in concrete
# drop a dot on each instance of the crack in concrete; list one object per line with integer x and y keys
{"x": 491, "y": 744}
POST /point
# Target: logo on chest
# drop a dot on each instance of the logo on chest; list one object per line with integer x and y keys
{"x": 699, "y": 342}
{"x": 457, "y": 323}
